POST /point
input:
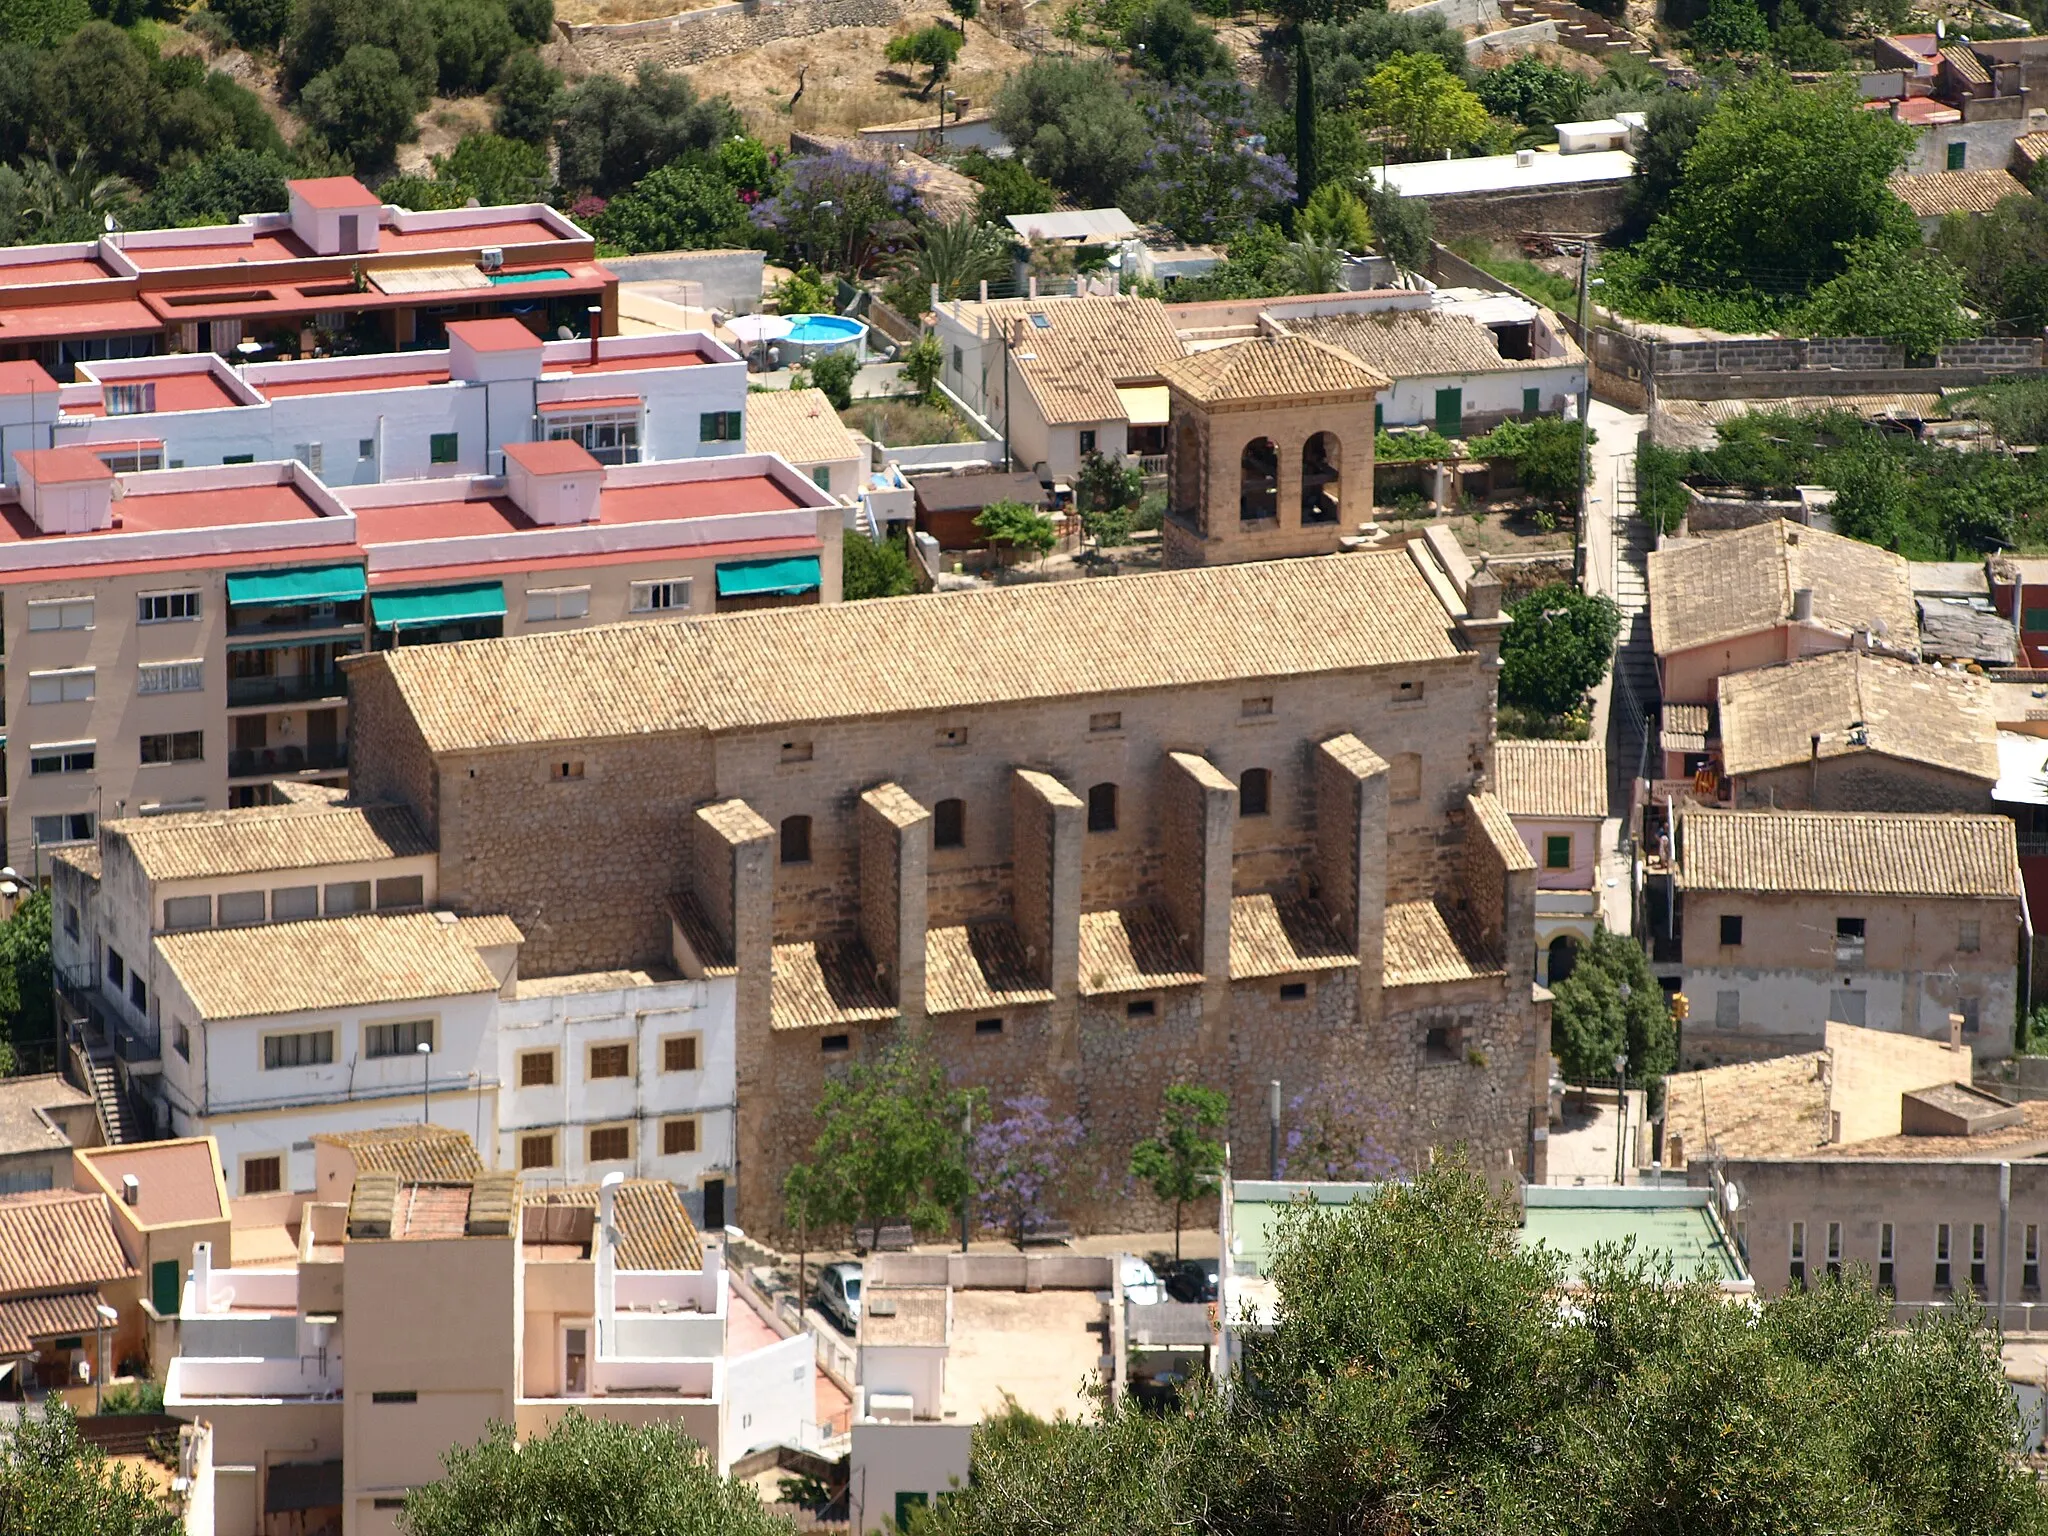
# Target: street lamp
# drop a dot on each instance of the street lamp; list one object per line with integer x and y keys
{"x": 426, "y": 1051}
{"x": 108, "y": 1317}
{"x": 1273, "y": 1129}
{"x": 1621, "y": 1117}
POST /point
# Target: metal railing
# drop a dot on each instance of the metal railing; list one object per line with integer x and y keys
{"x": 250, "y": 762}
{"x": 132, "y": 1039}
{"x": 295, "y": 688}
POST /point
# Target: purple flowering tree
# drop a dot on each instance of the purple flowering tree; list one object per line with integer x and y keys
{"x": 1333, "y": 1133}
{"x": 1208, "y": 176}
{"x": 1019, "y": 1163}
{"x": 840, "y": 212}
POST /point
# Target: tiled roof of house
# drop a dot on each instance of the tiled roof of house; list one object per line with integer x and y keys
{"x": 57, "y": 1240}
{"x": 2027, "y": 1138}
{"x": 1855, "y": 702}
{"x": 655, "y": 1232}
{"x": 2030, "y": 149}
{"x": 1685, "y": 727}
{"x": 1551, "y": 778}
{"x": 197, "y": 845}
{"x": 21, "y": 1128}
{"x": 1739, "y": 583}
{"x": 799, "y": 424}
{"x": 1940, "y": 192}
{"x": 1772, "y": 1108}
{"x": 1271, "y": 370}
{"x": 978, "y": 966}
{"x": 1421, "y": 343}
{"x": 1069, "y": 354}
{"x": 1491, "y": 817}
{"x": 701, "y": 934}
{"x": 342, "y": 962}
{"x": 1282, "y": 936}
{"x": 25, "y": 1319}
{"x": 417, "y": 1154}
{"x": 1059, "y": 640}
{"x": 1848, "y": 852}
{"x": 1134, "y": 949}
{"x": 1426, "y": 944}
{"x": 822, "y": 982}
{"x": 83, "y": 857}
{"x": 1967, "y": 66}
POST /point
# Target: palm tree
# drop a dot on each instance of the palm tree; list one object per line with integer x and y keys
{"x": 957, "y": 258}
{"x": 56, "y": 201}
{"x": 1317, "y": 266}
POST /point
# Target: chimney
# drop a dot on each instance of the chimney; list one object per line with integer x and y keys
{"x": 605, "y": 1243}
{"x": 202, "y": 1276}
{"x": 984, "y": 290}
{"x": 131, "y": 1189}
{"x": 1955, "y": 1031}
{"x": 1031, "y": 286}
{"x": 1524, "y": 158}
{"x": 596, "y": 313}
{"x": 1802, "y": 606}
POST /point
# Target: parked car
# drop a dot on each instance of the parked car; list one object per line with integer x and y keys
{"x": 1191, "y": 1280}
{"x": 1140, "y": 1283}
{"x": 838, "y": 1294}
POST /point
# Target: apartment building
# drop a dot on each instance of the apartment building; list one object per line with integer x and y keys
{"x": 1555, "y": 792}
{"x": 1774, "y": 592}
{"x": 1853, "y": 731}
{"x": 173, "y": 639}
{"x": 1787, "y": 920}
{"x": 518, "y": 1308}
{"x": 272, "y": 976}
{"x": 411, "y": 415}
{"x": 1089, "y": 838}
{"x": 337, "y": 271}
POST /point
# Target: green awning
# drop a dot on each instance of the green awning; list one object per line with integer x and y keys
{"x": 764, "y": 578}
{"x": 308, "y": 584}
{"x": 424, "y": 606}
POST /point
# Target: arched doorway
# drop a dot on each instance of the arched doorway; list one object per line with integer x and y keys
{"x": 1322, "y": 479}
{"x": 1258, "y": 494}
{"x": 1564, "y": 956}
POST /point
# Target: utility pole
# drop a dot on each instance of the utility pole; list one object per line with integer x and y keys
{"x": 426, "y": 1054}
{"x": 1273, "y": 1129}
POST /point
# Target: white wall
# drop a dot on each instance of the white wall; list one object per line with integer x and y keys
{"x": 889, "y": 1459}
{"x": 1412, "y": 402}
{"x": 1787, "y": 1004}
{"x": 771, "y": 1398}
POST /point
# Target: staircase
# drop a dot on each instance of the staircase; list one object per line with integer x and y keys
{"x": 117, "y": 1116}
{"x": 1578, "y": 29}
{"x": 1632, "y": 719}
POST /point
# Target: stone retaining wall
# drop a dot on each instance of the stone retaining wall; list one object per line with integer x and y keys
{"x": 694, "y": 36}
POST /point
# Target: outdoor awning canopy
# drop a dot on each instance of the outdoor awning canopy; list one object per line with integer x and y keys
{"x": 769, "y": 578}
{"x": 424, "y": 606}
{"x": 307, "y": 584}
{"x": 1144, "y": 404}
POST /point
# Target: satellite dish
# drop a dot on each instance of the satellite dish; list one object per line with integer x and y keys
{"x": 563, "y": 333}
{"x": 110, "y": 223}
{"x": 1731, "y": 1197}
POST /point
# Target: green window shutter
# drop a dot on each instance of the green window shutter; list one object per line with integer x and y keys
{"x": 2033, "y": 619}
{"x": 442, "y": 448}
{"x": 1557, "y": 852}
{"x": 1379, "y": 416}
{"x": 238, "y": 458}
{"x": 823, "y": 476}
{"x": 1450, "y": 411}
{"x": 719, "y": 427}
{"x": 164, "y": 1286}
{"x": 1532, "y": 401}
{"x": 1957, "y": 153}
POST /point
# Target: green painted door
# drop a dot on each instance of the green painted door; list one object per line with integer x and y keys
{"x": 1450, "y": 411}
{"x": 1532, "y": 401}
{"x": 164, "y": 1287}
{"x": 1957, "y": 153}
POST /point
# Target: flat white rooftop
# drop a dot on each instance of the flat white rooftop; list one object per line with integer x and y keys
{"x": 1505, "y": 173}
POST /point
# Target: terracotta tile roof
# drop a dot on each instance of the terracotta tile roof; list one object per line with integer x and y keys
{"x": 713, "y": 953}
{"x": 1858, "y": 703}
{"x": 1685, "y": 727}
{"x": 341, "y": 962}
{"x": 1282, "y": 935}
{"x": 1967, "y": 66}
{"x": 84, "y": 857}
{"x": 384, "y": 1206}
{"x": 1081, "y": 349}
{"x": 199, "y": 844}
{"x": 1271, "y": 370}
{"x": 1411, "y": 343}
{"x": 799, "y": 424}
{"x": 2030, "y": 149}
{"x": 1942, "y": 192}
{"x": 823, "y": 982}
{"x": 2029, "y": 1138}
{"x": 414, "y": 1153}
{"x": 1848, "y": 852}
{"x": 1739, "y": 583}
{"x": 1770, "y": 1108}
{"x": 57, "y": 1240}
{"x": 976, "y": 967}
{"x": 1427, "y": 943}
{"x": 24, "y": 1130}
{"x": 655, "y": 1232}
{"x": 1551, "y": 778}
{"x": 1133, "y": 950}
{"x": 1705, "y": 414}
{"x": 177, "y": 1180}
{"x": 26, "y": 1319}
{"x": 1171, "y": 629}
{"x": 1491, "y": 818}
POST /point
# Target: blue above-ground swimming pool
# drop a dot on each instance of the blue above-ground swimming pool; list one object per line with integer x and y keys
{"x": 815, "y": 335}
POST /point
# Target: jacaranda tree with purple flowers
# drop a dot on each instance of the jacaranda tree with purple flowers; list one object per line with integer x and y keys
{"x": 1333, "y": 1133}
{"x": 840, "y": 212}
{"x": 1208, "y": 176}
{"x": 1019, "y": 1163}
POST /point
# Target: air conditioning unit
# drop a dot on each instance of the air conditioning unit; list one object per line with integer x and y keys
{"x": 493, "y": 258}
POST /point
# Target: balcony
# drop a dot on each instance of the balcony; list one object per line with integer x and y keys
{"x": 696, "y": 1378}
{"x": 269, "y": 762}
{"x": 314, "y": 1378}
{"x": 284, "y": 688}
{"x": 254, "y": 621}
{"x": 1567, "y": 903}
{"x": 136, "y": 1041}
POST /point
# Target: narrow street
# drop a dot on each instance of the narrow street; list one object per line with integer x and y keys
{"x": 1617, "y": 547}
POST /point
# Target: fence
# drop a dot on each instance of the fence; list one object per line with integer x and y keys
{"x": 993, "y": 1271}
